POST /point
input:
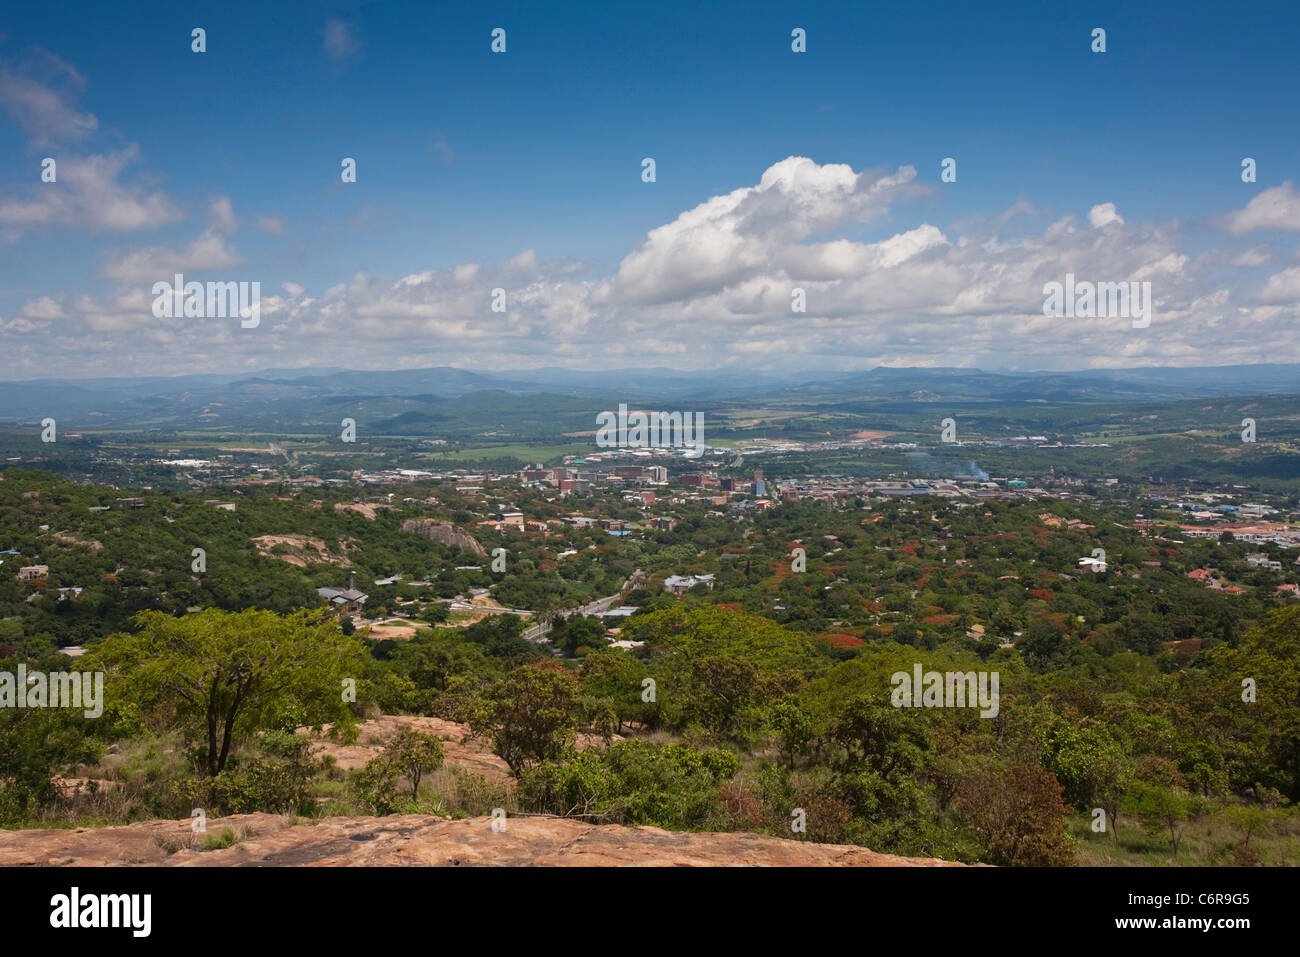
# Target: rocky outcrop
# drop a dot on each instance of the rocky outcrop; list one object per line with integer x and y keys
{"x": 443, "y": 532}
{"x": 416, "y": 840}
{"x": 300, "y": 550}
{"x": 461, "y": 748}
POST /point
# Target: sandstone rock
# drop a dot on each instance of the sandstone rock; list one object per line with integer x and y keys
{"x": 417, "y": 840}
{"x": 443, "y": 532}
{"x": 461, "y": 749}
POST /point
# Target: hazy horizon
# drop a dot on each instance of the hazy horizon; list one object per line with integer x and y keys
{"x": 552, "y": 371}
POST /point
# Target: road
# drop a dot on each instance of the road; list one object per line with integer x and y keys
{"x": 535, "y": 633}
{"x": 538, "y": 632}
{"x": 490, "y": 609}
{"x": 601, "y": 605}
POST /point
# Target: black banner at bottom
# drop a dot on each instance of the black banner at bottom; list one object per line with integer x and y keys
{"x": 142, "y": 906}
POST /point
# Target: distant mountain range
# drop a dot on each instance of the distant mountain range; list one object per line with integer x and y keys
{"x": 182, "y": 399}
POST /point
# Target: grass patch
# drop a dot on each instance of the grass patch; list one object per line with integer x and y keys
{"x": 1211, "y": 841}
{"x": 226, "y": 837}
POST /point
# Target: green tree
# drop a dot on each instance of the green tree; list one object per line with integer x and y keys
{"x": 530, "y": 715}
{"x": 413, "y": 753}
{"x": 501, "y": 636}
{"x": 720, "y": 687}
{"x": 614, "y": 675}
{"x": 1270, "y": 656}
{"x": 376, "y": 782}
{"x": 1091, "y": 765}
{"x": 879, "y": 738}
{"x": 575, "y": 632}
{"x": 228, "y": 675}
{"x": 36, "y": 744}
{"x": 435, "y": 613}
{"x": 1158, "y": 806}
{"x": 794, "y": 728}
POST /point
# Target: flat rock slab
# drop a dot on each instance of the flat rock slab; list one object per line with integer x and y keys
{"x": 270, "y": 840}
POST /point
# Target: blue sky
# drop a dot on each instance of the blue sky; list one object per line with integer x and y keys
{"x": 465, "y": 156}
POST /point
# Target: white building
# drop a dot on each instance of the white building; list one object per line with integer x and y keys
{"x": 677, "y": 584}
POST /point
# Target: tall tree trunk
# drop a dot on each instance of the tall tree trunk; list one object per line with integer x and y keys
{"x": 229, "y": 730}
{"x": 213, "y": 769}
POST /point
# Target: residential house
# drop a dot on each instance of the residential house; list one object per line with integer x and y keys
{"x": 678, "y": 584}
{"x": 344, "y": 601}
{"x": 1261, "y": 560}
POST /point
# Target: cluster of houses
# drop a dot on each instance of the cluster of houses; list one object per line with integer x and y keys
{"x": 1258, "y": 533}
{"x": 580, "y": 474}
{"x": 1056, "y": 521}
{"x": 1209, "y": 578}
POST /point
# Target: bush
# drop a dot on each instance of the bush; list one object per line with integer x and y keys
{"x": 408, "y": 755}
{"x": 277, "y": 780}
{"x": 376, "y": 784}
{"x": 1019, "y": 812}
{"x": 634, "y": 782}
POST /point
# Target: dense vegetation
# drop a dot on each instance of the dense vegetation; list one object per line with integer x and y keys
{"x": 762, "y": 704}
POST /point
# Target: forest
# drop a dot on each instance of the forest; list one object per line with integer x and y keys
{"x": 1144, "y": 716}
